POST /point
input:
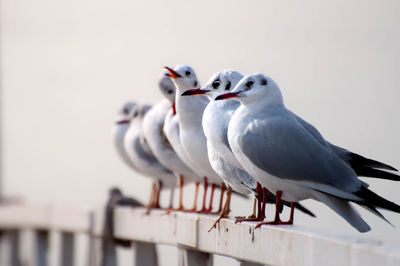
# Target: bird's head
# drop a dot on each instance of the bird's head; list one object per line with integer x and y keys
{"x": 254, "y": 88}
{"x": 219, "y": 83}
{"x": 183, "y": 77}
{"x": 123, "y": 113}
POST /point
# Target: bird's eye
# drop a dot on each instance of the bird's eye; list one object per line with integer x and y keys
{"x": 249, "y": 84}
{"x": 170, "y": 91}
{"x": 125, "y": 111}
{"x": 216, "y": 84}
{"x": 264, "y": 82}
{"x": 135, "y": 114}
{"x": 228, "y": 86}
{"x": 187, "y": 73}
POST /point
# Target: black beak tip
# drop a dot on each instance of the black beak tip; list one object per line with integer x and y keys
{"x": 219, "y": 97}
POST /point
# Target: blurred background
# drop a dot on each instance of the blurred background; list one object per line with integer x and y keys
{"x": 67, "y": 66}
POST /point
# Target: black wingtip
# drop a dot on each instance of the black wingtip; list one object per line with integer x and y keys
{"x": 371, "y": 199}
{"x": 304, "y": 209}
{"x": 375, "y": 173}
{"x": 357, "y": 160}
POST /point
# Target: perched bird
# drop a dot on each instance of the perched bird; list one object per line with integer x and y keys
{"x": 142, "y": 157}
{"x": 153, "y": 129}
{"x": 172, "y": 132}
{"x": 277, "y": 149}
{"x": 190, "y": 110}
{"x": 216, "y": 118}
{"x": 119, "y": 130}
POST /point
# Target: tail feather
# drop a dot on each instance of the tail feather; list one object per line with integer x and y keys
{"x": 377, "y": 213}
{"x": 345, "y": 210}
{"x": 357, "y": 160}
{"x": 375, "y": 173}
{"x": 370, "y": 198}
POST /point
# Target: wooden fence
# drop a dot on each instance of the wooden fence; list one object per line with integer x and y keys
{"x": 48, "y": 236}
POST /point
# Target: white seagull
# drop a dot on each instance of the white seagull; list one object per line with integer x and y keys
{"x": 119, "y": 130}
{"x": 172, "y": 132}
{"x": 216, "y": 118}
{"x": 276, "y": 149}
{"x": 153, "y": 129}
{"x": 142, "y": 157}
{"x": 190, "y": 110}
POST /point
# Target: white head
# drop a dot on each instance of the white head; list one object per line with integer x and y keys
{"x": 138, "y": 112}
{"x": 255, "y": 88}
{"x": 183, "y": 77}
{"x": 167, "y": 87}
{"x": 219, "y": 83}
{"x": 123, "y": 113}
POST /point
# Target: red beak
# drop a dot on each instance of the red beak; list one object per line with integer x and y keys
{"x": 194, "y": 92}
{"x": 227, "y": 95}
{"x": 123, "y": 121}
{"x": 172, "y": 73}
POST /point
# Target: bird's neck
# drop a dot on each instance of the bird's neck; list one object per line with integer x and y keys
{"x": 190, "y": 109}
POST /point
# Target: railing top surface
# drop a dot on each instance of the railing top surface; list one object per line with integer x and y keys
{"x": 44, "y": 218}
{"x": 272, "y": 245}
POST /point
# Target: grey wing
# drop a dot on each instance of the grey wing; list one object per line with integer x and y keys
{"x": 342, "y": 153}
{"x": 312, "y": 130}
{"x": 225, "y": 139}
{"x": 283, "y": 148}
{"x": 144, "y": 152}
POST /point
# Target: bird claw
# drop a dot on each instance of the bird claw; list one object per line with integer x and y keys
{"x": 275, "y": 222}
{"x": 217, "y": 222}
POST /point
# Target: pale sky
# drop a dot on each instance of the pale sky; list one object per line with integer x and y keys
{"x": 68, "y": 65}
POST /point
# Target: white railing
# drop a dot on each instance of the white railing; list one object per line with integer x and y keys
{"x": 47, "y": 236}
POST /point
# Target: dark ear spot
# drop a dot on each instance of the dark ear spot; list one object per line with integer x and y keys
{"x": 228, "y": 86}
{"x": 249, "y": 84}
{"x": 195, "y": 83}
{"x": 170, "y": 91}
{"x": 264, "y": 82}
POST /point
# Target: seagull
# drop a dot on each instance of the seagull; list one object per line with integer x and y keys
{"x": 142, "y": 157}
{"x": 190, "y": 110}
{"x": 153, "y": 129}
{"x": 216, "y": 118}
{"x": 119, "y": 130}
{"x": 276, "y": 149}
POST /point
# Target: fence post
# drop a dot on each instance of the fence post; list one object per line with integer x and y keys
{"x": 145, "y": 254}
{"x": 67, "y": 249}
{"x": 32, "y": 247}
{"x": 42, "y": 247}
{"x": 189, "y": 257}
{"x": 9, "y": 243}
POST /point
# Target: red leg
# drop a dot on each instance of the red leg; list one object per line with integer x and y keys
{"x": 196, "y": 193}
{"x": 203, "y": 208}
{"x": 291, "y": 218}
{"x": 221, "y": 198}
{"x": 277, "y": 219}
{"x": 152, "y": 196}
{"x": 152, "y": 199}
{"x": 211, "y": 197}
{"x": 180, "y": 208}
{"x": 260, "y": 208}
{"x": 225, "y": 211}
{"x": 181, "y": 182}
{"x": 157, "y": 203}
